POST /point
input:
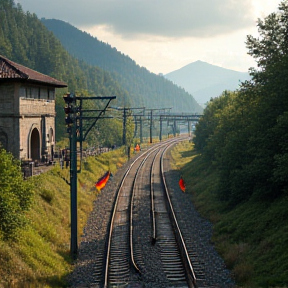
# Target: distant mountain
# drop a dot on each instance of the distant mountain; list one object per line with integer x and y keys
{"x": 205, "y": 81}
{"x": 146, "y": 89}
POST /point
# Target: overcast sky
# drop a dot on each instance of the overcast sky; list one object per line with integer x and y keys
{"x": 165, "y": 35}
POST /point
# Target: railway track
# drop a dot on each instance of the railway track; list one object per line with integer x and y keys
{"x": 124, "y": 254}
{"x": 140, "y": 247}
{"x": 163, "y": 232}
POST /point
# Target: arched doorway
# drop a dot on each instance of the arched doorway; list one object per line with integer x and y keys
{"x": 35, "y": 145}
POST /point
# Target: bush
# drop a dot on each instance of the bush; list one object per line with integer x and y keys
{"x": 15, "y": 197}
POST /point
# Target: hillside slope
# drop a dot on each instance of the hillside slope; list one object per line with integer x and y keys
{"x": 252, "y": 238}
{"x": 25, "y": 40}
{"x": 205, "y": 81}
{"x": 146, "y": 89}
{"x": 39, "y": 254}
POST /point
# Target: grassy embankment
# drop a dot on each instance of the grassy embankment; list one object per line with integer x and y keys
{"x": 39, "y": 257}
{"x": 252, "y": 238}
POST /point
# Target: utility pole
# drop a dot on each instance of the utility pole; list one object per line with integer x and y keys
{"x": 141, "y": 130}
{"x": 151, "y": 115}
{"x": 175, "y": 127}
{"x": 125, "y": 115}
{"x": 151, "y": 118}
{"x": 73, "y": 192}
{"x": 136, "y": 126}
{"x": 124, "y": 126}
{"x": 160, "y": 135}
{"x": 140, "y": 115}
{"x": 74, "y": 120}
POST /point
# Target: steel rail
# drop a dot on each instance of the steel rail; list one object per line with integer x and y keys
{"x": 153, "y": 241}
{"x": 108, "y": 249}
{"x": 191, "y": 277}
{"x": 131, "y": 208}
{"x": 154, "y": 237}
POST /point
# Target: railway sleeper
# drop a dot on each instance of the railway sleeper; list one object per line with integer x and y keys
{"x": 119, "y": 272}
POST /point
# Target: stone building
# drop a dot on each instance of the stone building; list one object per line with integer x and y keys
{"x": 27, "y": 111}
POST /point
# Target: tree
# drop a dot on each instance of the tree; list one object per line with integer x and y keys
{"x": 244, "y": 133}
{"x": 270, "y": 101}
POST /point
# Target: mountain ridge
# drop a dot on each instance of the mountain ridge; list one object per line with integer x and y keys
{"x": 147, "y": 89}
{"x": 205, "y": 81}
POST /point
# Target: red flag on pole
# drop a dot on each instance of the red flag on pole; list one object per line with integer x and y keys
{"x": 102, "y": 181}
{"x": 182, "y": 184}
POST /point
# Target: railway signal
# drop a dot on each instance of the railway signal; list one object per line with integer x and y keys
{"x": 74, "y": 120}
{"x": 68, "y": 109}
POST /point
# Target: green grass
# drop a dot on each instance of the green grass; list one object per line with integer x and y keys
{"x": 40, "y": 256}
{"x": 252, "y": 238}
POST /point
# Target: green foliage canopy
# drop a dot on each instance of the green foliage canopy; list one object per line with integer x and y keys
{"x": 244, "y": 133}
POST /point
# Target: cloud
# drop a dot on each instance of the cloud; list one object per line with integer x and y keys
{"x": 166, "y": 18}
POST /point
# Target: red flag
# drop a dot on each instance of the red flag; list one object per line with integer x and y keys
{"x": 182, "y": 184}
{"x": 102, "y": 181}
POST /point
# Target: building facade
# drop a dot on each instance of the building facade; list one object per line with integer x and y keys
{"x": 27, "y": 111}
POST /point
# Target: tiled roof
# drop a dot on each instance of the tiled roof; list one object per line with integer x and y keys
{"x": 12, "y": 70}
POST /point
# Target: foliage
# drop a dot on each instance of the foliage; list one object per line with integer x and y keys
{"x": 252, "y": 238}
{"x": 15, "y": 197}
{"x": 244, "y": 133}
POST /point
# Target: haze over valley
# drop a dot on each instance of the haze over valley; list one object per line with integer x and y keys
{"x": 205, "y": 81}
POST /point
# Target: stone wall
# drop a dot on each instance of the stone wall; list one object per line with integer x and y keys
{"x": 20, "y": 115}
{"x": 37, "y": 107}
{"x": 39, "y": 114}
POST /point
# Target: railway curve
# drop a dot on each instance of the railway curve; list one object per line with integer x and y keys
{"x": 154, "y": 260}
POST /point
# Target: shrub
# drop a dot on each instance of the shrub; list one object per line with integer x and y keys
{"x": 15, "y": 197}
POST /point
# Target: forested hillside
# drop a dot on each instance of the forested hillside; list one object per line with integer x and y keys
{"x": 146, "y": 89}
{"x": 243, "y": 136}
{"x": 25, "y": 40}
